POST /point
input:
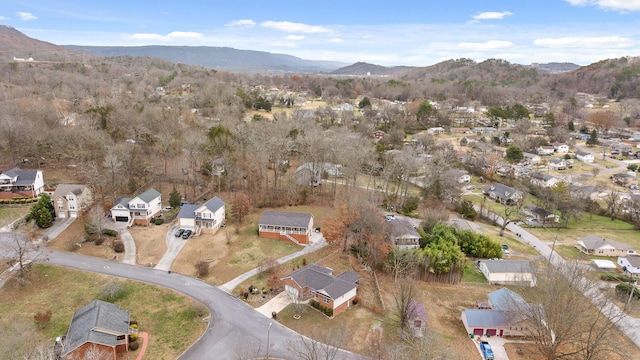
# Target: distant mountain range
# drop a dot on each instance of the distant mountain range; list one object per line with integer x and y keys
{"x": 14, "y": 44}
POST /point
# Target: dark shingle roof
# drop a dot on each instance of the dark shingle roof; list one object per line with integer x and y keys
{"x": 505, "y": 299}
{"x": 402, "y": 227}
{"x": 64, "y": 189}
{"x": 485, "y": 318}
{"x": 285, "y": 219}
{"x": 214, "y": 204}
{"x": 188, "y": 211}
{"x": 508, "y": 266}
{"x": 98, "y": 322}
{"x": 319, "y": 278}
{"x": 23, "y": 177}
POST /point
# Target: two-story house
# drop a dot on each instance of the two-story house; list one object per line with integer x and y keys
{"x": 138, "y": 210}
{"x": 561, "y": 148}
{"x": 70, "y": 199}
{"x": 17, "y": 182}
{"x": 207, "y": 217}
{"x": 585, "y": 157}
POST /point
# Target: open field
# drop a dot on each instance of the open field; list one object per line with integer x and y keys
{"x": 9, "y": 214}
{"x": 172, "y": 320}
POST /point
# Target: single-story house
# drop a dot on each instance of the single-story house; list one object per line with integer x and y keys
{"x": 502, "y": 193}
{"x": 580, "y": 136}
{"x": 561, "y": 148}
{"x": 461, "y": 176}
{"x": 309, "y": 174}
{"x": 417, "y": 317}
{"x": 630, "y": 264}
{"x": 18, "y": 182}
{"x": 545, "y": 150}
{"x": 99, "y": 326}
{"x": 138, "y": 210}
{"x": 584, "y": 156}
{"x": 435, "y": 130}
{"x": 70, "y": 199}
{"x": 531, "y": 158}
{"x": 543, "y": 180}
{"x": 625, "y": 179}
{"x": 318, "y": 283}
{"x": 503, "y": 318}
{"x": 202, "y": 218}
{"x": 290, "y": 227}
{"x": 595, "y": 245}
{"x": 540, "y": 215}
{"x": 557, "y": 164}
{"x": 461, "y": 130}
{"x": 403, "y": 235}
{"x": 508, "y": 272}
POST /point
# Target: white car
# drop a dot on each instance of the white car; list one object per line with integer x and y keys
{"x": 389, "y": 217}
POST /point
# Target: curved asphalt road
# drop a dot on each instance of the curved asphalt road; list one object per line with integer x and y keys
{"x": 234, "y": 325}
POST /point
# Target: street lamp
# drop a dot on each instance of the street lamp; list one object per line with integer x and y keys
{"x": 268, "y": 342}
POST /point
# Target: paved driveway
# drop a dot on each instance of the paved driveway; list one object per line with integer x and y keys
{"x": 174, "y": 246}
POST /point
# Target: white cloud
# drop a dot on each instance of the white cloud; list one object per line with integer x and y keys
{"x": 490, "y": 15}
{"x": 25, "y": 16}
{"x": 489, "y": 45}
{"x": 169, "y": 37}
{"x": 336, "y": 40}
{"x": 285, "y": 44}
{"x": 287, "y": 26}
{"x": 615, "y": 5}
{"x": 294, "y": 37}
{"x": 603, "y": 42}
{"x": 4, "y": 18}
{"x": 242, "y": 23}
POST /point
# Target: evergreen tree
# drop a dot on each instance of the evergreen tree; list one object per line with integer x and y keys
{"x": 593, "y": 139}
{"x": 175, "y": 198}
{"x": 42, "y": 212}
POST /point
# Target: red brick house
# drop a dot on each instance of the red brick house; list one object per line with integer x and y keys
{"x": 315, "y": 282}
{"x": 99, "y": 327}
{"x": 289, "y": 227}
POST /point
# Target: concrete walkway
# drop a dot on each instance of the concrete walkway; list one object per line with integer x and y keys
{"x": 174, "y": 246}
{"x": 317, "y": 241}
{"x": 127, "y": 240}
{"x": 276, "y": 304}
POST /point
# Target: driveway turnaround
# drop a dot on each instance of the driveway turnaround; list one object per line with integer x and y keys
{"x": 234, "y": 326}
{"x": 174, "y": 246}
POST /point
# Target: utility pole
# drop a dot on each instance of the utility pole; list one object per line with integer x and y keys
{"x": 633, "y": 289}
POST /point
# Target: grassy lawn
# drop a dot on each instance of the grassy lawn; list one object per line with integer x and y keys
{"x": 172, "y": 320}
{"x": 472, "y": 274}
{"x": 10, "y": 214}
{"x": 591, "y": 224}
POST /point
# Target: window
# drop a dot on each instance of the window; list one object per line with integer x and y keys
{"x": 325, "y": 299}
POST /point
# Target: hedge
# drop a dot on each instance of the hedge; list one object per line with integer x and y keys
{"x": 327, "y": 311}
{"x": 109, "y": 232}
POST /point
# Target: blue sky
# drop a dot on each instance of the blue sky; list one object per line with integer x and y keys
{"x": 400, "y": 32}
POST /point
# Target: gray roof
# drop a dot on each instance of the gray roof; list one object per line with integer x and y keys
{"x": 541, "y": 176}
{"x": 23, "y": 177}
{"x": 319, "y": 279}
{"x": 508, "y": 266}
{"x": 188, "y": 211}
{"x": 486, "y": 318}
{"x": 402, "y": 227}
{"x": 214, "y": 204}
{"x": 98, "y": 322}
{"x": 350, "y": 276}
{"x": 64, "y": 189}
{"x": 285, "y": 219}
{"x": 149, "y": 195}
{"x": 504, "y": 299}
{"x": 633, "y": 260}
{"x": 593, "y": 242}
{"x": 501, "y": 191}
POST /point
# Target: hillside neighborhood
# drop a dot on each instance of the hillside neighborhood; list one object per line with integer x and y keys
{"x": 182, "y": 212}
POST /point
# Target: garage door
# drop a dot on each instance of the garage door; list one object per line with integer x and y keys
{"x": 122, "y": 219}
{"x": 478, "y": 332}
{"x": 61, "y": 215}
{"x": 73, "y": 214}
{"x": 491, "y": 332}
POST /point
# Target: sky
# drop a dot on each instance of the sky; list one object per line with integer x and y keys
{"x": 388, "y": 33}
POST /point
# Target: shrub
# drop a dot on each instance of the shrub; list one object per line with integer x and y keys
{"x": 112, "y": 290}
{"x": 354, "y": 301}
{"x": 42, "y": 318}
{"x": 616, "y": 277}
{"x": 202, "y": 268}
{"x": 133, "y": 337}
{"x": 89, "y": 228}
{"x": 118, "y": 246}
{"x": 134, "y": 345}
{"x": 159, "y": 221}
{"x": 624, "y": 289}
{"x": 110, "y": 232}
{"x": 134, "y": 326}
{"x": 98, "y": 240}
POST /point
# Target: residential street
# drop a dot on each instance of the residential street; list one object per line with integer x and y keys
{"x": 234, "y": 325}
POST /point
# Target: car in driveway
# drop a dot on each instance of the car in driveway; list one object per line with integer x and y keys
{"x": 179, "y": 232}
{"x": 187, "y": 234}
{"x": 487, "y": 352}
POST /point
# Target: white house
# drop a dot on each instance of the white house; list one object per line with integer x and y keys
{"x": 630, "y": 264}
{"x": 557, "y": 164}
{"x": 508, "y": 272}
{"x": 202, "y": 218}
{"x": 543, "y": 180}
{"x": 70, "y": 199}
{"x": 531, "y": 158}
{"x": 138, "y": 210}
{"x": 20, "y": 182}
{"x": 584, "y": 156}
{"x": 435, "y": 130}
{"x": 545, "y": 150}
{"x": 561, "y": 148}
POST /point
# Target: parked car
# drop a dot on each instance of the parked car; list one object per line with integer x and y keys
{"x": 187, "y": 234}
{"x": 471, "y": 187}
{"x": 179, "y": 232}
{"x": 487, "y": 352}
{"x": 634, "y": 187}
{"x": 505, "y": 247}
{"x": 389, "y": 217}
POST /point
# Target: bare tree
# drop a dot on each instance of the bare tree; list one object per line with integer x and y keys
{"x": 323, "y": 348}
{"x": 568, "y": 316}
{"x": 401, "y": 262}
{"x": 250, "y": 349}
{"x": 403, "y": 295}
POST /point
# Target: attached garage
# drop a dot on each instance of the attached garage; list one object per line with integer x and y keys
{"x": 61, "y": 215}
{"x": 478, "y": 332}
{"x": 73, "y": 214}
{"x": 122, "y": 218}
{"x": 491, "y": 332}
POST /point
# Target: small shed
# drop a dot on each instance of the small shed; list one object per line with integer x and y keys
{"x": 604, "y": 264}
